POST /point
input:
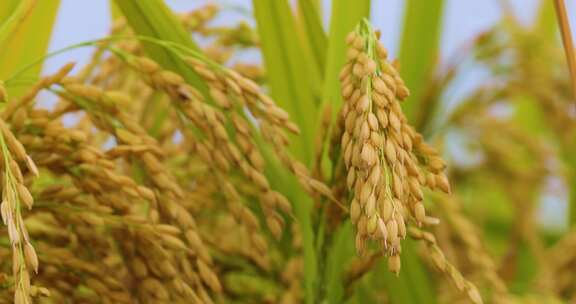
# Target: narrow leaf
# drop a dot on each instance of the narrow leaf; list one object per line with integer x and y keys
{"x": 315, "y": 35}
{"x": 292, "y": 80}
{"x": 25, "y": 36}
{"x": 412, "y": 285}
{"x": 546, "y": 20}
{"x": 288, "y": 70}
{"x": 14, "y": 16}
{"x": 419, "y": 53}
{"x": 339, "y": 255}
{"x": 345, "y": 16}
{"x": 566, "y": 32}
{"x": 115, "y": 12}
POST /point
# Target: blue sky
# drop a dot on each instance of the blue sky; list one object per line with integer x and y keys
{"x": 84, "y": 20}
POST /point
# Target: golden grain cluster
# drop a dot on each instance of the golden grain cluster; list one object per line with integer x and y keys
{"x": 388, "y": 162}
{"x": 152, "y": 222}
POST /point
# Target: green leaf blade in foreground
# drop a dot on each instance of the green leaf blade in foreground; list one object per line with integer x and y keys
{"x": 419, "y": 55}
{"x": 345, "y": 16}
{"x": 288, "y": 70}
{"x": 547, "y": 26}
{"x": 546, "y": 20}
{"x": 315, "y": 35}
{"x": 339, "y": 256}
{"x": 291, "y": 80}
{"x": 24, "y": 36}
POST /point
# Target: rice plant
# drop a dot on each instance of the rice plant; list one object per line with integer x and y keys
{"x": 167, "y": 172}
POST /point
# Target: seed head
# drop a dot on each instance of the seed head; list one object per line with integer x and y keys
{"x": 380, "y": 149}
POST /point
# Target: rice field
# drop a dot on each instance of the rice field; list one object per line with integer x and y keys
{"x": 171, "y": 167}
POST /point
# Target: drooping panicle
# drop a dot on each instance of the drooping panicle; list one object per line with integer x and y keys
{"x": 388, "y": 163}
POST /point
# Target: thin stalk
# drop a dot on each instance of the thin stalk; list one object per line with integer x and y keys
{"x": 567, "y": 40}
{"x": 566, "y": 33}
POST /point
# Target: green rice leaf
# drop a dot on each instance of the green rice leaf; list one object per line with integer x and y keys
{"x": 345, "y": 16}
{"x": 419, "y": 53}
{"x": 340, "y": 254}
{"x": 313, "y": 32}
{"x": 24, "y": 36}
{"x": 547, "y": 25}
{"x": 114, "y": 10}
{"x": 289, "y": 71}
{"x": 13, "y": 14}
{"x": 413, "y": 284}
{"x": 546, "y": 20}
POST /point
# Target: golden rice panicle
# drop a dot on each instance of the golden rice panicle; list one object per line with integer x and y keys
{"x": 239, "y": 152}
{"x": 196, "y": 20}
{"x": 230, "y": 92}
{"x": 368, "y": 153}
{"x": 15, "y": 195}
{"x": 103, "y": 175}
{"x": 8, "y": 114}
{"x": 463, "y": 231}
{"x": 381, "y": 151}
{"x": 438, "y": 259}
{"x": 131, "y": 138}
